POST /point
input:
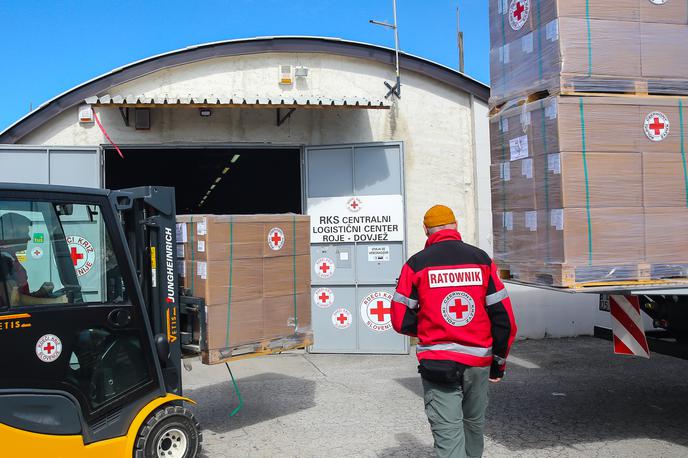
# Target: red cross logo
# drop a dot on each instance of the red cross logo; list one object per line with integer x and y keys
{"x": 459, "y": 306}
{"x": 324, "y": 267}
{"x": 36, "y": 252}
{"x": 518, "y": 12}
{"x": 657, "y": 126}
{"x": 49, "y": 347}
{"x": 342, "y": 318}
{"x": 354, "y": 205}
{"x": 323, "y": 297}
{"x": 76, "y": 257}
{"x": 276, "y": 239}
{"x": 381, "y": 311}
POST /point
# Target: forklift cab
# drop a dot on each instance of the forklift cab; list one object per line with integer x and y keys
{"x": 88, "y": 324}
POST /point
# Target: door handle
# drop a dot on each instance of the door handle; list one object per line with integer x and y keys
{"x": 119, "y": 318}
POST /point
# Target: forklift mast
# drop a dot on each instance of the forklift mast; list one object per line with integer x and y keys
{"x": 148, "y": 218}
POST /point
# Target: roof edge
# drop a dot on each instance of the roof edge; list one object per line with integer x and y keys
{"x": 227, "y": 48}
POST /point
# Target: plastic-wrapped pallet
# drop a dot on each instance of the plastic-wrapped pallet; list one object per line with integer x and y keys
{"x": 254, "y": 273}
{"x": 565, "y": 46}
{"x": 591, "y": 189}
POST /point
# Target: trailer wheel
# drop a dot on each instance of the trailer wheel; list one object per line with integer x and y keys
{"x": 170, "y": 432}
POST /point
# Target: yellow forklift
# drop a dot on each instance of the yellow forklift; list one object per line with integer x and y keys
{"x": 90, "y": 318}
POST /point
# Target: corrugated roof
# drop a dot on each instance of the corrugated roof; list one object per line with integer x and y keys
{"x": 235, "y": 101}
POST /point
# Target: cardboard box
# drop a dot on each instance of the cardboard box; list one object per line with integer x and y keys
{"x": 574, "y": 180}
{"x": 600, "y": 237}
{"x": 664, "y": 180}
{"x": 666, "y": 236}
{"x": 251, "y": 236}
{"x": 211, "y": 280}
{"x": 610, "y": 124}
{"x": 587, "y": 46}
{"x": 254, "y": 273}
{"x": 513, "y": 185}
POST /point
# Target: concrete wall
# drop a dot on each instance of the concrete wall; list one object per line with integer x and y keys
{"x": 434, "y": 120}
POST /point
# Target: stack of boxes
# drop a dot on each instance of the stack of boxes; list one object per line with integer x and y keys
{"x": 589, "y": 185}
{"x": 253, "y": 272}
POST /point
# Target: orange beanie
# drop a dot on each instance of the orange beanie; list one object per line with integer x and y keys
{"x": 439, "y": 215}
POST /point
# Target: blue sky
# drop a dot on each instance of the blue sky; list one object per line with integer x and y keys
{"x": 48, "y": 47}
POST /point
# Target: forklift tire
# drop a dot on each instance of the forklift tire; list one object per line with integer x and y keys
{"x": 170, "y": 432}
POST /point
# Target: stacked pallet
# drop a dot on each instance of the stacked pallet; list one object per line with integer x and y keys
{"x": 253, "y": 271}
{"x": 589, "y": 185}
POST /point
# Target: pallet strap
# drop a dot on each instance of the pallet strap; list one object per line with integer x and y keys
{"x": 192, "y": 248}
{"x": 543, "y": 129}
{"x": 587, "y": 183}
{"x": 587, "y": 20}
{"x": 683, "y": 148}
{"x": 539, "y": 38}
{"x": 229, "y": 290}
{"x": 293, "y": 257}
{"x": 236, "y": 390}
{"x": 503, "y": 164}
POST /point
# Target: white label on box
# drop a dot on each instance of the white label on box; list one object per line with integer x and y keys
{"x": 552, "y": 30}
{"x": 201, "y": 246}
{"x": 551, "y": 109}
{"x": 201, "y": 227}
{"x": 556, "y": 219}
{"x": 504, "y": 124}
{"x": 518, "y": 147}
{"x": 505, "y": 171}
{"x": 343, "y": 255}
{"x": 509, "y": 221}
{"x": 181, "y": 232}
{"x": 504, "y": 54}
{"x": 378, "y": 253}
{"x": 202, "y": 269}
{"x": 531, "y": 221}
{"x": 527, "y": 168}
{"x": 180, "y": 250}
{"x": 181, "y": 268}
{"x": 525, "y": 119}
{"x": 527, "y": 43}
{"x": 554, "y": 163}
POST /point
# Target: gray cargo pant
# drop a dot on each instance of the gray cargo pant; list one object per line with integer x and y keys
{"x": 457, "y": 416}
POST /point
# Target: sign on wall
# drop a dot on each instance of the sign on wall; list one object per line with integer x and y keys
{"x": 357, "y": 219}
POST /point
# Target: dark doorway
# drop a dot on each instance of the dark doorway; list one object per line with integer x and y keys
{"x": 214, "y": 180}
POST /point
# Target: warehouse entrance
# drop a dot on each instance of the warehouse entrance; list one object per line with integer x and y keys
{"x": 213, "y": 180}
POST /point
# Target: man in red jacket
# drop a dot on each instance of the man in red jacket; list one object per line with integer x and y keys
{"x": 450, "y": 296}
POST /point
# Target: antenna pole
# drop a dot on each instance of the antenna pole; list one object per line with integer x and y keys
{"x": 459, "y": 38}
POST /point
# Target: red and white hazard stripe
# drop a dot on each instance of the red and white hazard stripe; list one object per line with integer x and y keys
{"x": 627, "y": 326}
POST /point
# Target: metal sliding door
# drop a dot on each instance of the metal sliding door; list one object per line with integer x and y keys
{"x": 355, "y": 200}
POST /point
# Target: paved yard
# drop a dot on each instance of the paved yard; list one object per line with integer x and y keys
{"x": 561, "y": 397}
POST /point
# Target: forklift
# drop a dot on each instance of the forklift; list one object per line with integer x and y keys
{"x": 90, "y": 321}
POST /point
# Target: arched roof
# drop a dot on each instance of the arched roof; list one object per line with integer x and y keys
{"x": 290, "y": 44}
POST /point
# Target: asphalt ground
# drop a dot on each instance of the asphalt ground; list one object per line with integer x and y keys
{"x": 561, "y": 397}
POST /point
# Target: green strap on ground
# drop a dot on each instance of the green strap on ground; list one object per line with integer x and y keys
{"x": 231, "y": 265}
{"x": 587, "y": 184}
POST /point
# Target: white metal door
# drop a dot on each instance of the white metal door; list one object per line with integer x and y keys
{"x": 354, "y": 194}
{"x": 59, "y": 165}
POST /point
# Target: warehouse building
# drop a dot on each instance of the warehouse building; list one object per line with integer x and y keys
{"x": 281, "y": 124}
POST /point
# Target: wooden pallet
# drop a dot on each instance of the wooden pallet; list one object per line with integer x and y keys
{"x": 252, "y": 350}
{"x": 579, "y": 85}
{"x": 569, "y": 276}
